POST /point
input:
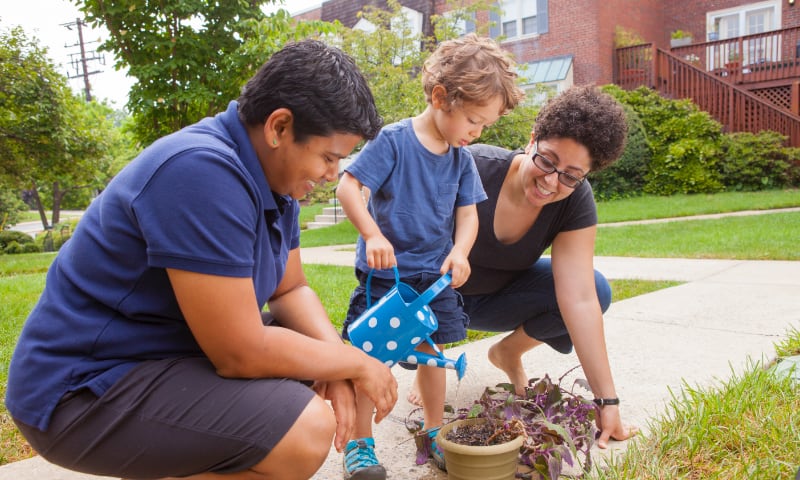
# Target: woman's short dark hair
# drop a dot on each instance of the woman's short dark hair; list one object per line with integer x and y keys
{"x": 590, "y": 117}
{"x": 320, "y": 84}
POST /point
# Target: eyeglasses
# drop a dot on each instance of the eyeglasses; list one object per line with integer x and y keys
{"x": 544, "y": 164}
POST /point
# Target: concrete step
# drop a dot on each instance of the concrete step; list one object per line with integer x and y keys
{"x": 313, "y": 225}
{"x": 330, "y": 218}
{"x": 333, "y": 211}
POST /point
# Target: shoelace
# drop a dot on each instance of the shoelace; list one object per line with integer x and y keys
{"x": 360, "y": 456}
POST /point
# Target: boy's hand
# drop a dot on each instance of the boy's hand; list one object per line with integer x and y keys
{"x": 457, "y": 264}
{"x": 379, "y": 252}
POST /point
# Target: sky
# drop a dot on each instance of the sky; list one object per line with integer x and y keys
{"x": 46, "y": 20}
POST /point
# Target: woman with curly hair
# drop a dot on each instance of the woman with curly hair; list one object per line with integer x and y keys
{"x": 539, "y": 198}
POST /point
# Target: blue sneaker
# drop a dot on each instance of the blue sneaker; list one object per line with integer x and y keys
{"x": 360, "y": 462}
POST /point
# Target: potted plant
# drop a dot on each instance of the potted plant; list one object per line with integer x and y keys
{"x": 680, "y": 38}
{"x": 546, "y": 427}
{"x": 476, "y": 449}
{"x": 734, "y": 62}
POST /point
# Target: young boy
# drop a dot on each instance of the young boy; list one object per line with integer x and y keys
{"x": 421, "y": 214}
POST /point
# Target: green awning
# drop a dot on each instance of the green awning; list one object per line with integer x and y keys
{"x": 553, "y": 69}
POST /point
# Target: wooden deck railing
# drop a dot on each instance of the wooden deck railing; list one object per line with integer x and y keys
{"x": 673, "y": 77}
{"x": 759, "y": 57}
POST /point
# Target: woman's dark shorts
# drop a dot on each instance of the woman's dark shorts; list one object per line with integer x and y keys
{"x": 530, "y": 301}
{"x": 171, "y": 418}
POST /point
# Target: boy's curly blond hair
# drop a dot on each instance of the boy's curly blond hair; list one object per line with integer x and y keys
{"x": 472, "y": 69}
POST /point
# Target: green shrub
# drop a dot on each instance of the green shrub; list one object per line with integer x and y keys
{"x": 11, "y": 205}
{"x": 752, "y": 162}
{"x": 685, "y": 142}
{"x": 13, "y": 240}
{"x": 53, "y": 239}
{"x": 626, "y": 177}
{"x": 14, "y": 247}
{"x": 512, "y": 131}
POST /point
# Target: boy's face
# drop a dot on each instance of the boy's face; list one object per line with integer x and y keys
{"x": 460, "y": 126}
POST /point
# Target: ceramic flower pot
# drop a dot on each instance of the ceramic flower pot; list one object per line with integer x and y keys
{"x": 467, "y": 462}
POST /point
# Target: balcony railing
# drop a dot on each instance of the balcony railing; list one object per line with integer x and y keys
{"x": 736, "y": 108}
{"x": 760, "y": 57}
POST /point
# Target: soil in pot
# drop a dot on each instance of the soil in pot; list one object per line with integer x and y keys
{"x": 478, "y": 462}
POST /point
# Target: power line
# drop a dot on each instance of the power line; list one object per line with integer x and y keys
{"x": 80, "y": 61}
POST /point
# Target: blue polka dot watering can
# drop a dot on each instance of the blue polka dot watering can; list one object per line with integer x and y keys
{"x": 391, "y": 329}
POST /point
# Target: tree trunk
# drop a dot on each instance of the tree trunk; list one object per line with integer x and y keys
{"x": 39, "y": 206}
{"x": 58, "y": 196}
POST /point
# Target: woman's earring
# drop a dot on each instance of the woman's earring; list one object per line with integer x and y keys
{"x": 275, "y": 141}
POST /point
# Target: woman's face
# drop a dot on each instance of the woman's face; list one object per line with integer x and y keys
{"x": 299, "y": 167}
{"x": 566, "y": 155}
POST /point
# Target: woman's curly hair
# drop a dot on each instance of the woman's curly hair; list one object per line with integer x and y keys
{"x": 588, "y": 116}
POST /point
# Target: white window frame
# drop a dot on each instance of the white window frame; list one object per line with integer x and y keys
{"x": 714, "y": 17}
{"x": 520, "y": 12}
{"x": 756, "y": 50}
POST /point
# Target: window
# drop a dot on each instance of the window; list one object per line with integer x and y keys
{"x": 741, "y": 21}
{"x": 518, "y": 18}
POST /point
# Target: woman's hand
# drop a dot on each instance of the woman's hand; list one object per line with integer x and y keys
{"x": 378, "y": 383}
{"x": 611, "y": 427}
{"x": 343, "y": 400}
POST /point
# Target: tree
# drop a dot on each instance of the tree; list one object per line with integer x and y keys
{"x": 49, "y": 137}
{"x": 81, "y": 160}
{"x": 30, "y": 93}
{"x": 189, "y": 57}
{"x": 391, "y": 58}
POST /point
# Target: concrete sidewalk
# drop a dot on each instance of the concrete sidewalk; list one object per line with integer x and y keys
{"x": 699, "y": 332}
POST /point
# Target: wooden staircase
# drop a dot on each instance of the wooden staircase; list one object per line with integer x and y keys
{"x": 720, "y": 92}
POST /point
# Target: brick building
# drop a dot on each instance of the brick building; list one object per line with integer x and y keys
{"x": 575, "y": 38}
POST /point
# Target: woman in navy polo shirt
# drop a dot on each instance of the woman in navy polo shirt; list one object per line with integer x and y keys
{"x": 148, "y": 354}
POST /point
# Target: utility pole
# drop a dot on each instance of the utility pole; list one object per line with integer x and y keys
{"x": 80, "y": 62}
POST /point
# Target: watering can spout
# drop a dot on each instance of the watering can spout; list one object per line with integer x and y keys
{"x": 422, "y": 358}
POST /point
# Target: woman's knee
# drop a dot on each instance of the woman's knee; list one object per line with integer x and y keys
{"x": 304, "y": 448}
{"x": 317, "y": 424}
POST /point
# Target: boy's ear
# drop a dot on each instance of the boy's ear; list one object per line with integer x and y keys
{"x": 439, "y": 97}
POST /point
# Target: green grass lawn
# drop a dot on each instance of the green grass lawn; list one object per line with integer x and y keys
{"x": 739, "y": 428}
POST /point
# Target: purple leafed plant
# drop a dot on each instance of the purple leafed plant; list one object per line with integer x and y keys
{"x": 559, "y": 425}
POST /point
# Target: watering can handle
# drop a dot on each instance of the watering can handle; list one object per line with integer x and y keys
{"x": 429, "y": 294}
{"x": 369, "y": 281}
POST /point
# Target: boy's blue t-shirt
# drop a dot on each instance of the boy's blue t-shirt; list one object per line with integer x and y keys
{"x": 413, "y": 197}
{"x": 196, "y": 200}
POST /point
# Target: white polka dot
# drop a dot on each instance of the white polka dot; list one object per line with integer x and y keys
{"x": 411, "y": 359}
{"x": 431, "y": 362}
{"x": 416, "y": 340}
{"x": 391, "y": 345}
{"x": 372, "y": 322}
{"x": 394, "y": 322}
{"x": 367, "y": 347}
{"x": 388, "y": 363}
{"x": 420, "y": 315}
